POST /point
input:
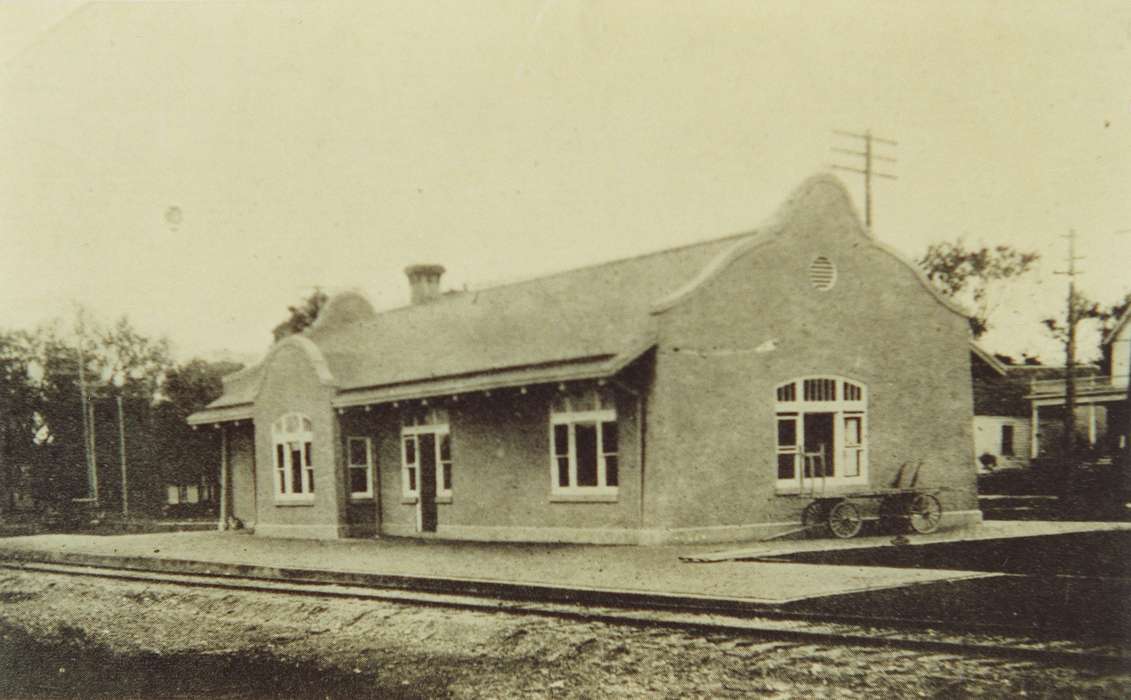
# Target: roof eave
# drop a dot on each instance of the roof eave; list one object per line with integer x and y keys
{"x": 1110, "y": 337}
{"x": 599, "y": 367}
{"x": 221, "y": 414}
{"x": 994, "y": 363}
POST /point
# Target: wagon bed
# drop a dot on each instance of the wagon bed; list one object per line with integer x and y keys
{"x": 844, "y": 512}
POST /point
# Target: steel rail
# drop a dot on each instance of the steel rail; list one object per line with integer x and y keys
{"x": 797, "y": 628}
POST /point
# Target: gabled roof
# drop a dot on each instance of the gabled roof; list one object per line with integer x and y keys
{"x": 584, "y": 323}
{"x": 593, "y": 315}
{"x": 991, "y": 361}
{"x": 1123, "y": 320}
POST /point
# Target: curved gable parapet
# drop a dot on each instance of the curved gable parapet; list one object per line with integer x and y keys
{"x": 822, "y": 190}
{"x": 947, "y": 302}
{"x": 241, "y": 374}
{"x": 308, "y": 348}
{"x": 712, "y": 270}
{"x": 763, "y": 234}
{"x": 810, "y": 189}
{"x": 342, "y": 309}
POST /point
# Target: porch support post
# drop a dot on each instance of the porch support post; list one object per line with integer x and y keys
{"x": 1034, "y": 426}
{"x": 223, "y": 524}
{"x": 1092, "y": 423}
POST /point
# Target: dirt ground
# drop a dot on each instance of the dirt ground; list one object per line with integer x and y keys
{"x": 66, "y": 636}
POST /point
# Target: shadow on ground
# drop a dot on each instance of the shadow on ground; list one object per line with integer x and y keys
{"x": 1075, "y": 583}
{"x": 72, "y": 665}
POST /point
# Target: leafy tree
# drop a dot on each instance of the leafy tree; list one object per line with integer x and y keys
{"x": 1064, "y": 329}
{"x": 185, "y": 455}
{"x": 117, "y": 361}
{"x": 19, "y": 403}
{"x": 968, "y": 274}
{"x": 127, "y": 363}
{"x": 1086, "y": 310}
{"x": 302, "y": 315}
{"x": 192, "y": 385}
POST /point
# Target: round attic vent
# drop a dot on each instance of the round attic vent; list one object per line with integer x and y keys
{"x": 822, "y": 273}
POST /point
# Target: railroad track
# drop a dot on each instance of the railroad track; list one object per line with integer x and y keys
{"x": 923, "y": 636}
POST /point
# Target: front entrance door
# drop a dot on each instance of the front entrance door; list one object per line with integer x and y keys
{"x": 427, "y": 500}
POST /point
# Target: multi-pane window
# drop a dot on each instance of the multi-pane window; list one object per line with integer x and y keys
{"x": 584, "y": 443}
{"x": 789, "y": 451}
{"x": 853, "y": 444}
{"x": 821, "y": 426}
{"x": 426, "y": 441}
{"x": 183, "y": 493}
{"x": 292, "y": 435}
{"x": 359, "y": 451}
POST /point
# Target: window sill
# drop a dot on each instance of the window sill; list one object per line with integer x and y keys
{"x": 583, "y": 498}
{"x": 361, "y": 498}
{"x": 288, "y": 502}
{"x": 831, "y": 490}
{"x": 413, "y": 500}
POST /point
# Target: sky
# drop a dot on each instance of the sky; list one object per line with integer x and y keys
{"x": 200, "y": 166}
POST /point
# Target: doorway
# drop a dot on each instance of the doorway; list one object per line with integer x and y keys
{"x": 818, "y": 432}
{"x": 426, "y": 503}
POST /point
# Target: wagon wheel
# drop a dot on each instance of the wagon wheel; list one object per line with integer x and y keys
{"x": 815, "y": 514}
{"x": 924, "y": 513}
{"x": 844, "y": 520}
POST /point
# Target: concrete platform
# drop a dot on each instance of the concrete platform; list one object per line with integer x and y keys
{"x": 988, "y": 530}
{"x": 577, "y": 573}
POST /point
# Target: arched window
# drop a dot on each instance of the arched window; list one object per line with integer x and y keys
{"x": 292, "y": 435}
{"x": 821, "y": 432}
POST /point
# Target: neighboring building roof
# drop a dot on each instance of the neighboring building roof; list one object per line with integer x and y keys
{"x": 588, "y": 322}
{"x": 992, "y": 362}
{"x": 1117, "y": 329}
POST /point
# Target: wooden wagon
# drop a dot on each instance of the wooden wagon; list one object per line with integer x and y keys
{"x": 845, "y": 512}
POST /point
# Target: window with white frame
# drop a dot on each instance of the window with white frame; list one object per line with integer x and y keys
{"x": 426, "y": 435}
{"x": 292, "y": 435}
{"x": 176, "y": 494}
{"x": 583, "y": 443}
{"x": 821, "y": 432}
{"x": 359, "y": 452}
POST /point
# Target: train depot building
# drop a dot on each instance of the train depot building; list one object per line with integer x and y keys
{"x": 687, "y": 395}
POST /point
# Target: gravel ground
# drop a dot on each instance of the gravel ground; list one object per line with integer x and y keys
{"x": 67, "y": 636}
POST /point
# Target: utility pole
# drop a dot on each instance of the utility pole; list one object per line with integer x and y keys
{"x": 1126, "y": 466}
{"x": 122, "y": 451}
{"x": 87, "y": 420}
{"x": 868, "y": 171}
{"x": 1069, "y": 424}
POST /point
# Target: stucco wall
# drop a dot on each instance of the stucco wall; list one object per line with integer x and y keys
{"x": 501, "y": 476}
{"x": 291, "y": 384}
{"x": 760, "y": 322}
{"x": 241, "y": 462}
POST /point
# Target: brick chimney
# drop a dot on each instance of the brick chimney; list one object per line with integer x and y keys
{"x": 424, "y": 282}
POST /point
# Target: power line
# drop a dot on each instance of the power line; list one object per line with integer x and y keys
{"x": 868, "y": 171}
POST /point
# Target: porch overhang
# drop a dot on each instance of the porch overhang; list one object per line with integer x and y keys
{"x": 580, "y": 369}
{"x": 221, "y": 414}
{"x": 1081, "y": 399}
